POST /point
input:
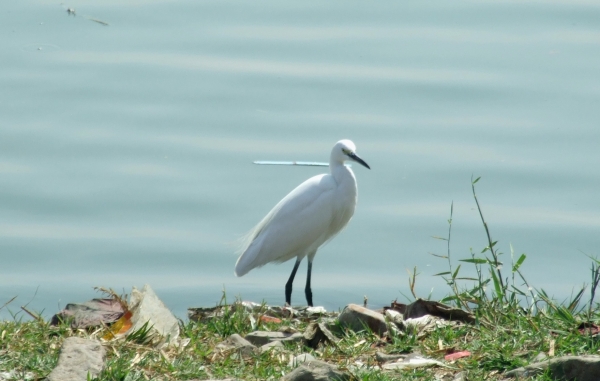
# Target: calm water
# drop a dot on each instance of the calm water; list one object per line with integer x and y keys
{"x": 126, "y": 150}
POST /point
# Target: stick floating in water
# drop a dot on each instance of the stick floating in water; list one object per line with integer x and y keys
{"x": 305, "y": 163}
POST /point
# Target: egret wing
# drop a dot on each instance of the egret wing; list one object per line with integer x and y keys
{"x": 297, "y": 225}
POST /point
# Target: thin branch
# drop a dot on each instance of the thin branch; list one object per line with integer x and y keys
{"x": 7, "y": 303}
{"x": 32, "y": 314}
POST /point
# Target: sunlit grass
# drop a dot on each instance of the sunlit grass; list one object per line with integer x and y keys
{"x": 514, "y": 324}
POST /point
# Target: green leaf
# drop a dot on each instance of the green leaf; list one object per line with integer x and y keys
{"x": 439, "y": 256}
{"x": 565, "y": 314}
{"x": 456, "y": 272}
{"x": 499, "y": 291}
{"x": 575, "y": 301}
{"x": 440, "y": 274}
{"x": 477, "y": 261}
{"x": 476, "y": 180}
{"x": 449, "y": 298}
{"x": 519, "y": 262}
{"x": 518, "y": 291}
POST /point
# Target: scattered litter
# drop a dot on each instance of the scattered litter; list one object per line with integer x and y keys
{"x": 270, "y": 319}
{"x": 588, "y": 328}
{"x": 421, "y": 307}
{"x": 263, "y": 312}
{"x": 120, "y": 327}
{"x": 143, "y": 319}
{"x": 457, "y": 355}
{"x": 91, "y": 314}
{"x": 319, "y": 310}
{"x": 412, "y": 361}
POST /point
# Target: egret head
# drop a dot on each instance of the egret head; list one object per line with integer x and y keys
{"x": 346, "y": 150}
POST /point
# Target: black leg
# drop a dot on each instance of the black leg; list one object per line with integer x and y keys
{"x": 288, "y": 285}
{"x": 307, "y": 290}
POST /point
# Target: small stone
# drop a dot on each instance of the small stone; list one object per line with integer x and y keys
{"x": 78, "y": 358}
{"x": 273, "y": 345}
{"x": 540, "y": 357}
{"x": 317, "y": 333}
{"x": 358, "y": 318}
{"x": 301, "y": 359}
{"x": 580, "y": 368}
{"x": 260, "y": 338}
{"x": 236, "y": 342}
{"x": 316, "y": 370}
{"x": 395, "y": 317}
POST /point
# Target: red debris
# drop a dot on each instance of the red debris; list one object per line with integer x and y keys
{"x": 269, "y": 319}
{"x": 456, "y": 355}
{"x": 588, "y": 328}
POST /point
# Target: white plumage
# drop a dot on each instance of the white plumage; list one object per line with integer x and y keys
{"x": 310, "y": 215}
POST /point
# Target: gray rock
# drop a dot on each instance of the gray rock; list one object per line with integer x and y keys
{"x": 301, "y": 359}
{"x": 259, "y": 338}
{"x": 236, "y": 342}
{"x": 148, "y": 309}
{"x": 273, "y": 345}
{"x": 78, "y": 358}
{"x": 358, "y": 318}
{"x": 316, "y": 333}
{"x": 316, "y": 370}
{"x": 395, "y": 317}
{"x": 566, "y": 368}
{"x": 540, "y": 357}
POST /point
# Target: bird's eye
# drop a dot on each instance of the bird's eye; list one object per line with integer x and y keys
{"x": 346, "y": 151}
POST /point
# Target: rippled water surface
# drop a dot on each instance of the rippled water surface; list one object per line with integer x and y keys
{"x": 126, "y": 149}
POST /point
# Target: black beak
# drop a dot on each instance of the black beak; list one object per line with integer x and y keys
{"x": 355, "y": 157}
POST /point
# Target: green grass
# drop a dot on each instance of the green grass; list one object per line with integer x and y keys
{"x": 514, "y": 323}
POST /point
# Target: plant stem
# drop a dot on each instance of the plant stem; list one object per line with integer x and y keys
{"x": 489, "y": 237}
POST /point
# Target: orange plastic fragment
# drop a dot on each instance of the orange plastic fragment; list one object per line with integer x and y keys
{"x": 269, "y": 319}
{"x": 457, "y": 355}
{"x": 119, "y": 327}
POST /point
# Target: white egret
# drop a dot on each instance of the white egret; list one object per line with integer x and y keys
{"x": 305, "y": 219}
